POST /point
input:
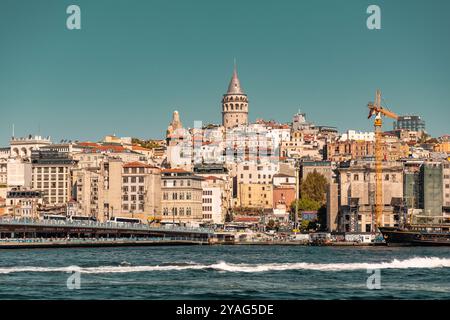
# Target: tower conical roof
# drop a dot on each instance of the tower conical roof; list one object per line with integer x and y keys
{"x": 235, "y": 86}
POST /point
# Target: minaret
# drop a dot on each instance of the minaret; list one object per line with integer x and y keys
{"x": 234, "y": 104}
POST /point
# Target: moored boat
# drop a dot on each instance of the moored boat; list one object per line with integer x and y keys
{"x": 416, "y": 235}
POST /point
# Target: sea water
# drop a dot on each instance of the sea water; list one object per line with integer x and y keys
{"x": 225, "y": 272}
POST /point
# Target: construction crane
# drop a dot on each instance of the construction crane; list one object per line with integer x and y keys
{"x": 375, "y": 109}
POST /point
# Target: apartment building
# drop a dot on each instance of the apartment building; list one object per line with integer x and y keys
{"x": 214, "y": 200}
{"x": 255, "y": 195}
{"x": 23, "y": 203}
{"x": 182, "y": 197}
{"x": 119, "y": 189}
{"x": 352, "y": 196}
{"x": 51, "y": 174}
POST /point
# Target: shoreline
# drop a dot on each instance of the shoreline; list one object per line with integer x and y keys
{"x": 144, "y": 243}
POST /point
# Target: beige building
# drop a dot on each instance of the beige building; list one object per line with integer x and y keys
{"x": 351, "y": 200}
{"x": 182, "y": 197}
{"x": 51, "y": 174}
{"x": 119, "y": 189}
{"x": 234, "y": 104}
{"x": 23, "y": 203}
{"x": 254, "y": 195}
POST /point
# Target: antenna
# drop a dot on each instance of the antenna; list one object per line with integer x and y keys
{"x": 13, "y": 130}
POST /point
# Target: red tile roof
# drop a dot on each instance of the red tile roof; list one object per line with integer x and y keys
{"x": 212, "y": 178}
{"x": 175, "y": 170}
{"x": 136, "y": 164}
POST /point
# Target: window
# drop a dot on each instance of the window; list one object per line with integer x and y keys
{"x": 356, "y": 177}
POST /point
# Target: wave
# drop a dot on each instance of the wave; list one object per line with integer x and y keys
{"x": 412, "y": 263}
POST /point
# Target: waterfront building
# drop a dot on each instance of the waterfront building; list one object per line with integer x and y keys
{"x": 410, "y": 122}
{"x": 214, "y": 200}
{"x": 234, "y": 104}
{"x": 425, "y": 189}
{"x": 119, "y": 189}
{"x": 351, "y": 197}
{"x": 182, "y": 197}
{"x": 51, "y": 174}
{"x": 446, "y": 183}
{"x": 23, "y": 203}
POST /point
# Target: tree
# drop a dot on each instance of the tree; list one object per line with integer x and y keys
{"x": 306, "y": 204}
{"x": 314, "y": 187}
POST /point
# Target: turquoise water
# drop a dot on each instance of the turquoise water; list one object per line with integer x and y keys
{"x": 226, "y": 272}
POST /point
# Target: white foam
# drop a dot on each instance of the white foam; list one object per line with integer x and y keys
{"x": 413, "y": 263}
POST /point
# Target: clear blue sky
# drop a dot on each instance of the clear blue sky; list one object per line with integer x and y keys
{"x": 134, "y": 62}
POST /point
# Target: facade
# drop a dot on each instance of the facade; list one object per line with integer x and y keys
{"x": 283, "y": 195}
{"x": 119, "y": 189}
{"x": 3, "y": 172}
{"x": 411, "y": 123}
{"x": 51, "y": 174}
{"x": 325, "y": 168}
{"x": 251, "y": 172}
{"x": 430, "y": 189}
{"x": 22, "y": 147}
{"x": 214, "y": 200}
{"x": 140, "y": 191}
{"x": 256, "y": 196}
{"x": 354, "y": 196}
{"x": 234, "y": 104}
{"x": 425, "y": 189}
{"x": 182, "y": 197}
{"x": 357, "y": 135}
{"x": 23, "y": 203}
{"x": 446, "y": 183}
{"x": 19, "y": 173}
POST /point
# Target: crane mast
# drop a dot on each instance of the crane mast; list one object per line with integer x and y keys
{"x": 375, "y": 109}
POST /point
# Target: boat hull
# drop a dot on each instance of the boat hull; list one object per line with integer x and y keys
{"x": 406, "y": 237}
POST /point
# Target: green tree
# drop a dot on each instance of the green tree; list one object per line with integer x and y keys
{"x": 314, "y": 187}
{"x": 305, "y": 204}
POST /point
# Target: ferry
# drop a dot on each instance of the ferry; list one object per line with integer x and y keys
{"x": 417, "y": 235}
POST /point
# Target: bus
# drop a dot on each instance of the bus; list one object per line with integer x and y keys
{"x": 125, "y": 220}
{"x": 81, "y": 218}
{"x": 54, "y": 217}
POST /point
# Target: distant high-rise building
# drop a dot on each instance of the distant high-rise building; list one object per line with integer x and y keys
{"x": 412, "y": 123}
{"x": 234, "y": 104}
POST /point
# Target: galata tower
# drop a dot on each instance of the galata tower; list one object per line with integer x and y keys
{"x": 234, "y": 104}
